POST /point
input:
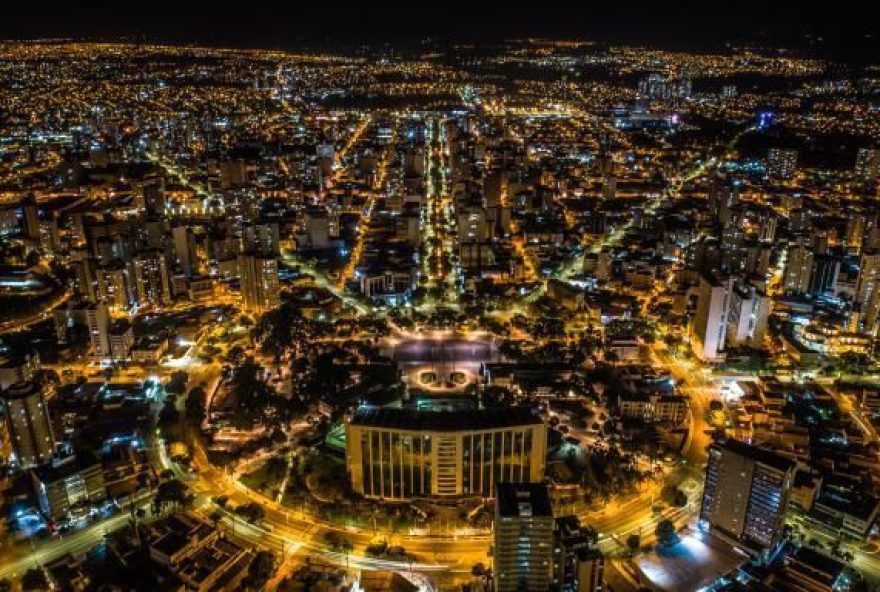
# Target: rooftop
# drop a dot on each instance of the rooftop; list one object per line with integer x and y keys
{"x": 444, "y": 421}
{"x": 523, "y": 500}
{"x": 761, "y": 455}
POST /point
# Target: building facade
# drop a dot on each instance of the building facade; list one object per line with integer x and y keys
{"x": 746, "y": 494}
{"x": 259, "y": 281}
{"x": 523, "y": 538}
{"x": 400, "y": 454}
{"x": 28, "y": 423}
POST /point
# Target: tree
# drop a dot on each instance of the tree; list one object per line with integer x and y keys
{"x": 345, "y": 547}
{"x": 5, "y": 585}
{"x": 262, "y": 567}
{"x": 34, "y": 579}
{"x": 252, "y": 512}
{"x": 169, "y": 415}
{"x": 665, "y": 532}
{"x": 171, "y": 492}
{"x": 195, "y": 404}
{"x": 633, "y": 542}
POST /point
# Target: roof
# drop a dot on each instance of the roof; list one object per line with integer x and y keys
{"x": 81, "y": 463}
{"x": 761, "y": 455}
{"x": 853, "y": 502}
{"x": 818, "y": 565}
{"x": 444, "y": 421}
{"x": 525, "y": 500}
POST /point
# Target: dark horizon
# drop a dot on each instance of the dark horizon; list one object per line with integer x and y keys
{"x": 841, "y": 31}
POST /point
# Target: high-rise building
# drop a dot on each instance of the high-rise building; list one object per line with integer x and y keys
{"x": 113, "y": 286}
{"x": 867, "y": 164}
{"x": 747, "y": 317}
{"x": 31, "y": 217}
{"x": 657, "y": 86}
{"x": 578, "y": 566}
{"x": 259, "y": 281}
{"x": 723, "y": 197}
{"x": 781, "y": 163}
{"x": 184, "y": 249}
{"x": 869, "y": 273}
{"x": 826, "y": 269}
{"x": 472, "y": 224}
{"x": 98, "y": 323}
{"x": 400, "y": 454}
{"x": 151, "y": 279}
{"x": 263, "y": 238}
{"x": 798, "y": 268}
{"x": 523, "y": 538}
{"x": 746, "y": 494}
{"x": 28, "y": 424}
{"x": 318, "y": 228}
{"x": 149, "y": 195}
{"x": 709, "y": 326}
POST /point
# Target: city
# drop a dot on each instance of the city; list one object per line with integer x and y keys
{"x": 529, "y": 315}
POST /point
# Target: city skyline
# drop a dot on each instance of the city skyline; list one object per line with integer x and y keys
{"x": 332, "y": 298}
{"x": 846, "y": 32}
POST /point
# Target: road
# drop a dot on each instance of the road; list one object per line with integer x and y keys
{"x": 76, "y": 543}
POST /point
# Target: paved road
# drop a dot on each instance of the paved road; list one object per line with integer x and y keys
{"x": 76, "y": 543}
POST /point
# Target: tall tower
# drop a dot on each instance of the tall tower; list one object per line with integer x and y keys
{"x": 746, "y": 494}
{"x": 523, "y": 537}
{"x": 151, "y": 280}
{"x": 798, "y": 269}
{"x": 31, "y": 218}
{"x": 27, "y": 420}
{"x": 259, "y": 281}
{"x": 710, "y": 319}
{"x": 98, "y": 321}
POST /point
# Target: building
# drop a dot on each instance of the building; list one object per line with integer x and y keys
{"x": 869, "y": 273}
{"x": 653, "y": 407}
{"x": 568, "y": 296}
{"x": 808, "y": 570}
{"x": 867, "y": 164}
{"x": 69, "y": 487}
{"x": 30, "y": 215}
{"x": 259, "y": 281}
{"x": 19, "y": 368}
{"x": 523, "y": 538}
{"x": 113, "y": 286}
{"x": 747, "y": 317}
{"x": 781, "y": 163}
{"x": 121, "y": 339}
{"x": 393, "y": 286}
{"x": 184, "y": 249}
{"x": 798, "y": 269}
{"x": 400, "y": 454}
{"x": 709, "y": 327}
{"x": 151, "y": 280}
{"x": 746, "y": 493}
{"x": 844, "y": 510}
{"x": 472, "y": 224}
{"x": 317, "y": 223}
{"x": 197, "y": 554}
{"x": 826, "y": 270}
{"x": 577, "y": 565}
{"x": 866, "y": 299}
{"x": 28, "y": 423}
{"x": 98, "y": 322}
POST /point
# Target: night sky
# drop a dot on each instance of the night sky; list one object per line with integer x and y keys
{"x": 848, "y": 28}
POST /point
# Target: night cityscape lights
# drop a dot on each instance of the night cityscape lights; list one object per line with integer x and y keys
{"x": 525, "y": 316}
